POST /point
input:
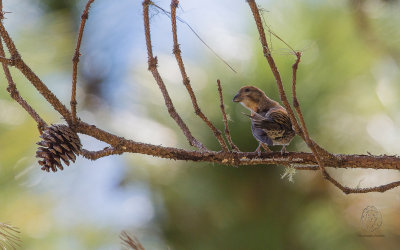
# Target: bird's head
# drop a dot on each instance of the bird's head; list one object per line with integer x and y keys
{"x": 251, "y": 97}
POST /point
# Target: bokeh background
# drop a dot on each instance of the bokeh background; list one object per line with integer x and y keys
{"x": 348, "y": 86}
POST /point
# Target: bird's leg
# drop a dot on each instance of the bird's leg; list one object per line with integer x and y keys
{"x": 258, "y": 150}
{"x": 283, "y": 150}
{"x": 266, "y": 148}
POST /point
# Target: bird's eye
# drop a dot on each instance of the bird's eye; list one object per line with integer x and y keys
{"x": 247, "y": 90}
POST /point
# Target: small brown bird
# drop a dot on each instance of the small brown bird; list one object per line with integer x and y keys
{"x": 270, "y": 123}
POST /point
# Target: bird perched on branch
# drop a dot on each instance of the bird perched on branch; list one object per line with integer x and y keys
{"x": 270, "y": 123}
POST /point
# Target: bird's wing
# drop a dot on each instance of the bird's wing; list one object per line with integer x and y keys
{"x": 274, "y": 119}
{"x": 259, "y": 133}
{"x": 261, "y": 136}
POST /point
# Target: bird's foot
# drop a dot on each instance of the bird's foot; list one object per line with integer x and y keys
{"x": 283, "y": 150}
{"x": 266, "y": 148}
{"x": 258, "y": 150}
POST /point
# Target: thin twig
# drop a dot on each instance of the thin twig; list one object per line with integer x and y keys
{"x": 152, "y": 61}
{"x": 32, "y": 77}
{"x": 296, "y": 102}
{"x": 75, "y": 60}
{"x": 5, "y": 60}
{"x": 12, "y": 89}
{"x": 347, "y": 190}
{"x": 186, "y": 80}
{"x": 307, "y": 139}
{"x": 271, "y": 32}
{"x": 222, "y": 106}
{"x": 94, "y": 155}
{"x": 296, "y": 105}
{"x": 311, "y": 144}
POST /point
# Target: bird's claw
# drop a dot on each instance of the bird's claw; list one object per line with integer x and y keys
{"x": 266, "y": 148}
{"x": 283, "y": 150}
{"x": 258, "y": 150}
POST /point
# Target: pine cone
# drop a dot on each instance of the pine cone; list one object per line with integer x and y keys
{"x": 58, "y": 142}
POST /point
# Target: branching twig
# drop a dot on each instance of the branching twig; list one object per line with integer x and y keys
{"x": 94, "y": 155}
{"x": 310, "y": 143}
{"x": 5, "y": 60}
{"x": 12, "y": 89}
{"x": 75, "y": 60}
{"x": 347, "y": 190}
{"x": 152, "y": 61}
{"x": 186, "y": 80}
{"x": 296, "y": 105}
{"x": 307, "y": 139}
{"x": 227, "y": 132}
{"x": 32, "y": 77}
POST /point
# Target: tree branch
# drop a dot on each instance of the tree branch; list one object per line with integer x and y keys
{"x": 122, "y": 145}
{"x": 32, "y": 77}
{"x": 227, "y": 133}
{"x": 75, "y": 60}
{"x": 12, "y": 89}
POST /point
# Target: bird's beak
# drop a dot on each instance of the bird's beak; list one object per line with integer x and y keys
{"x": 237, "y": 98}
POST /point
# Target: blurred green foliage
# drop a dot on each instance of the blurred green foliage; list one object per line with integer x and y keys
{"x": 68, "y": 6}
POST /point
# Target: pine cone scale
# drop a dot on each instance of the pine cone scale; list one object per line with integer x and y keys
{"x": 52, "y": 151}
{"x": 58, "y": 148}
{"x": 65, "y": 146}
{"x": 71, "y": 156}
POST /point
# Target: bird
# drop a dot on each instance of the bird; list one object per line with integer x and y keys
{"x": 270, "y": 122}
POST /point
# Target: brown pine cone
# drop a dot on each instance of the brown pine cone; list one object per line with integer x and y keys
{"x": 58, "y": 143}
